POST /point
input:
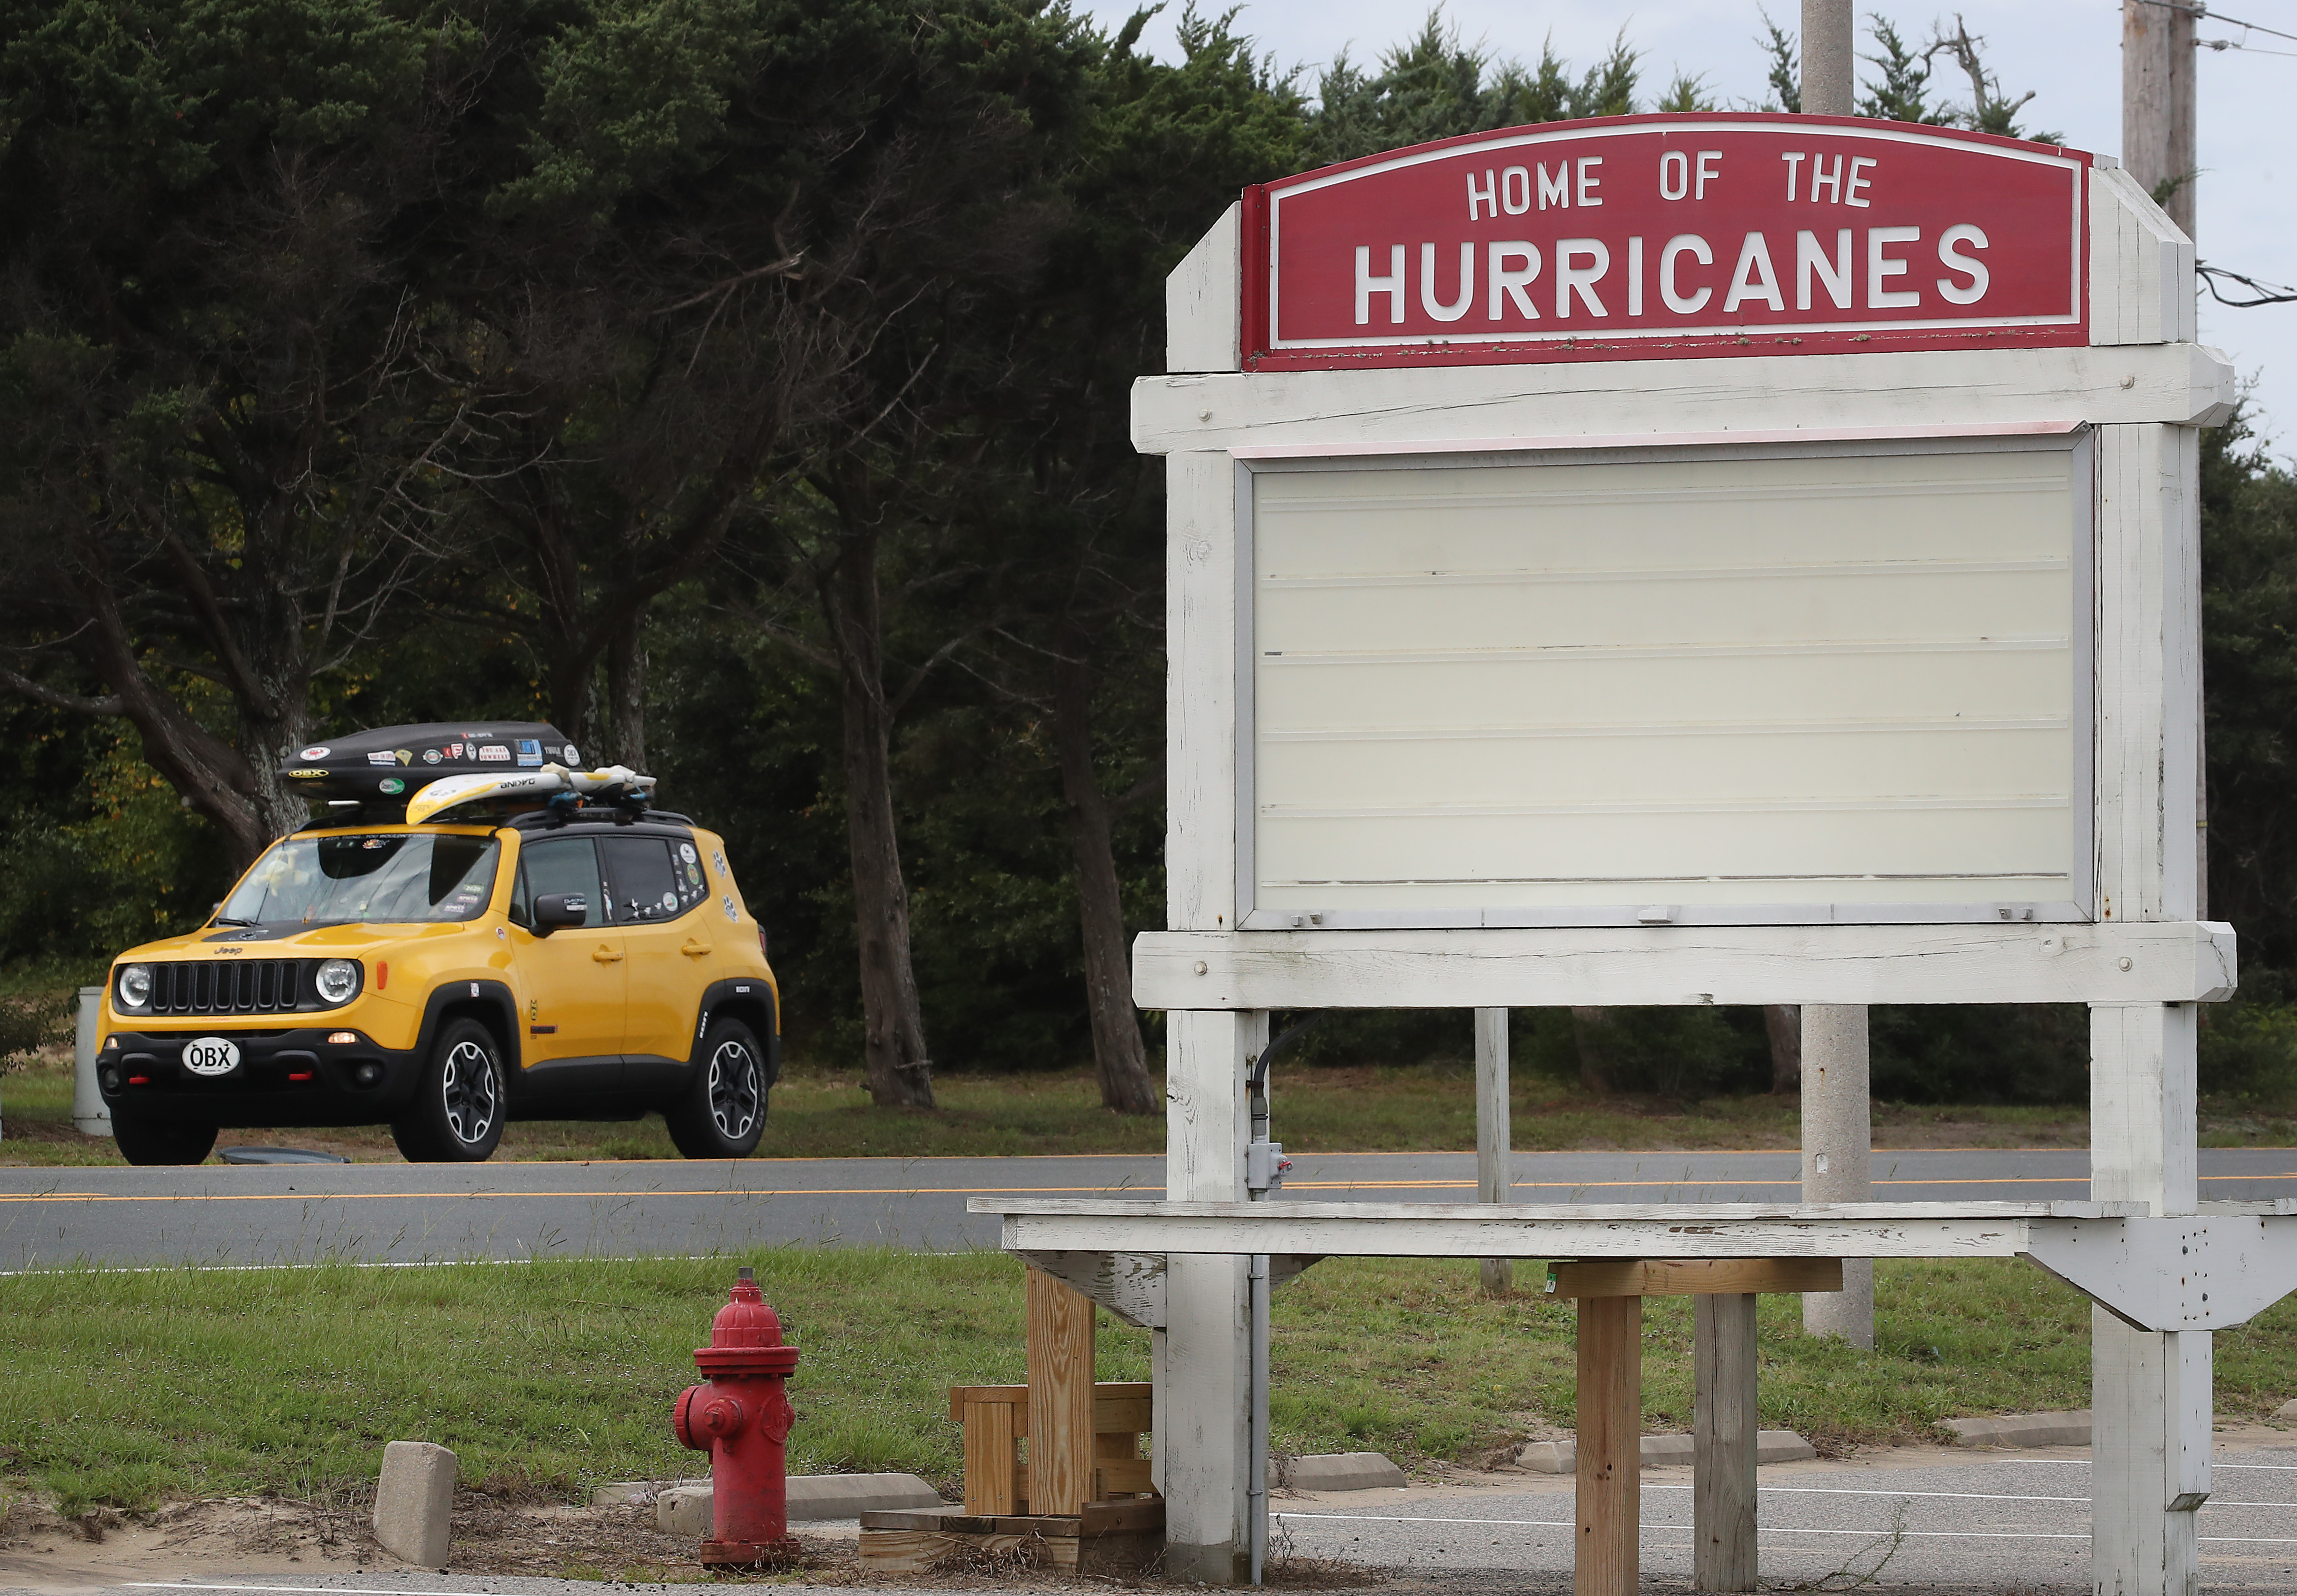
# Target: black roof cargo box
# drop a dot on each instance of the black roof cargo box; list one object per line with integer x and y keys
{"x": 388, "y": 763}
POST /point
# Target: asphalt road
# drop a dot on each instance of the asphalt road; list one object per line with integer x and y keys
{"x": 2018, "y": 1523}
{"x": 386, "y": 1212}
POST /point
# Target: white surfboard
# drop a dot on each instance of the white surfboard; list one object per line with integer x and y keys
{"x": 452, "y": 790}
{"x": 599, "y": 781}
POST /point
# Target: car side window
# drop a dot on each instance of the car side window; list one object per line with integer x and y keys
{"x": 559, "y": 865}
{"x": 693, "y": 886}
{"x": 646, "y": 883}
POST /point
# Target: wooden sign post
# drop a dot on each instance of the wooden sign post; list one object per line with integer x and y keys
{"x": 1675, "y": 560}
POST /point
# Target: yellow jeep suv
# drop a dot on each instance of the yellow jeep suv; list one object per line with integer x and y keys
{"x": 551, "y": 948}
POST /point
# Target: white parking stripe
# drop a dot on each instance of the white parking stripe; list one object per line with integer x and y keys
{"x": 1953, "y": 1495}
{"x": 1957, "y": 1496}
{"x": 185, "y": 1584}
{"x": 2084, "y": 1463}
{"x": 1769, "y": 1529}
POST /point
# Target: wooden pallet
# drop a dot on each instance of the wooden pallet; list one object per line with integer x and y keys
{"x": 1117, "y": 1539}
{"x": 1083, "y": 1437}
{"x": 998, "y": 1483}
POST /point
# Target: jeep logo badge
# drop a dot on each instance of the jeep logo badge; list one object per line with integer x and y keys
{"x": 211, "y": 1056}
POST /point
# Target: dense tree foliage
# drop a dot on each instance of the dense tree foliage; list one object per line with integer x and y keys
{"x": 742, "y": 385}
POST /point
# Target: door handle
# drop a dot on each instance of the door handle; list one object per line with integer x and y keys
{"x": 605, "y": 955}
{"x": 694, "y": 950}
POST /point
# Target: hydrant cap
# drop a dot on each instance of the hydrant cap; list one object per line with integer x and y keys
{"x": 747, "y": 1320}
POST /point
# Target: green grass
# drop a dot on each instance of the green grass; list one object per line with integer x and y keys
{"x": 821, "y": 1113}
{"x": 1402, "y": 1356}
{"x": 131, "y": 1389}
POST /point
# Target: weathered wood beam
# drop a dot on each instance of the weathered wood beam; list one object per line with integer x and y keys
{"x": 1499, "y": 407}
{"x": 1532, "y": 1231}
{"x": 1694, "y": 1277}
{"x": 1657, "y": 965}
{"x": 1132, "y": 1285}
{"x": 1724, "y": 1433}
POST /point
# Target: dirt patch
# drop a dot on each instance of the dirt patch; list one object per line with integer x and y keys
{"x": 494, "y": 1533}
{"x": 41, "y": 1549}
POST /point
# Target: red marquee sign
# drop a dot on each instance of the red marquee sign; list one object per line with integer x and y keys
{"x": 1632, "y": 237}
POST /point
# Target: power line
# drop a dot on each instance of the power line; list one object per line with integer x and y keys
{"x": 2198, "y": 12}
{"x": 2263, "y": 293}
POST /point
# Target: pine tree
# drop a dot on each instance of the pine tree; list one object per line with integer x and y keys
{"x": 1903, "y": 94}
{"x": 1785, "y": 75}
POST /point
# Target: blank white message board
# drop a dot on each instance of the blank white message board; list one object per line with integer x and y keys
{"x": 1783, "y": 684}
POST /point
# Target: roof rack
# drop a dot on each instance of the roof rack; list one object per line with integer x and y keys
{"x": 551, "y": 817}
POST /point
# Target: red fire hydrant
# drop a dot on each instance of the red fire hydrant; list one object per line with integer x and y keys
{"x": 741, "y": 1419}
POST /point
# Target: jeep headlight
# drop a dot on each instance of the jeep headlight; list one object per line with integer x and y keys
{"x": 134, "y": 985}
{"x": 338, "y": 980}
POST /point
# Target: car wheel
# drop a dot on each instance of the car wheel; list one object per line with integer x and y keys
{"x": 458, "y": 1110}
{"x": 724, "y": 1112}
{"x": 162, "y": 1141}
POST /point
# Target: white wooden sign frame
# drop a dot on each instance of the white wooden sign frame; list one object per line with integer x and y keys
{"x": 2138, "y": 392}
{"x": 2128, "y": 943}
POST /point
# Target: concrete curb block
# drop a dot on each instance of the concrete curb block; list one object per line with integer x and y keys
{"x": 636, "y": 1492}
{"x": 1782, "y": 1446}
{"x": 414, "y": 1502}
{"x": 2021, "y": 1429}
{"x": 685, "y": 1509}
{"x": 1663, "y": 1452}
{"x": 1341, "y": 1471}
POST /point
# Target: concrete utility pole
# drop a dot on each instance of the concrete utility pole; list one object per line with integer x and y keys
{"x": 1838, "y": 1150}
{"x": 1829, "y": 66}
{"x": 1493, "y": 1133}
{"x": 1838, "y": 1116}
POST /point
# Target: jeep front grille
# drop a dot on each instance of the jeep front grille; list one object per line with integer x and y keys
{"x": 230, "y": 986}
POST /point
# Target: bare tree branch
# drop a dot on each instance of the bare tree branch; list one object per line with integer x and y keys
{"x": 24, "y": 686}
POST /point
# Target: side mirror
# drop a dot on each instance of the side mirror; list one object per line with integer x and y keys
{"x": 554, "y": 911}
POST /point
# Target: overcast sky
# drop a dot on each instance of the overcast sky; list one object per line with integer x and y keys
{"x": 2069, "y": 52}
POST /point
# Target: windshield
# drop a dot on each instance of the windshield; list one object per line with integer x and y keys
{"x": 341, "y": 880}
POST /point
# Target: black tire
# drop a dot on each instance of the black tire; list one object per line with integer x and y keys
{"x": 458, "y": 1113}
{"x": 723, "y": 1113}
{"x": 162, "y": 1141}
